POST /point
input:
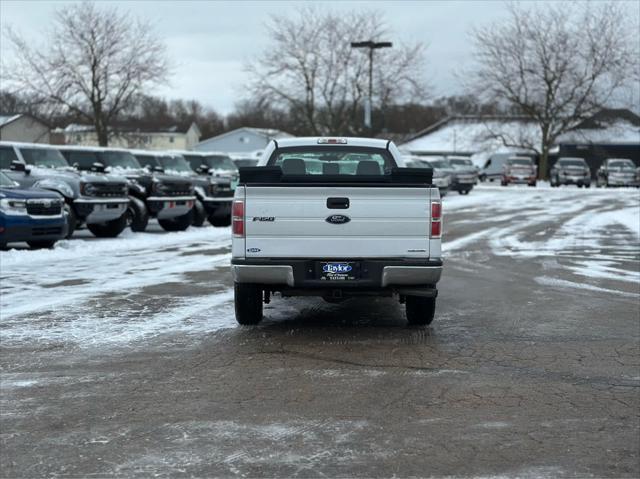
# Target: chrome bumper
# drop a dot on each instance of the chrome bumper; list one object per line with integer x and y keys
{"x": 410, "y": 275}
{"x": 262, "y": 274}
{"x": 283, "y": 274}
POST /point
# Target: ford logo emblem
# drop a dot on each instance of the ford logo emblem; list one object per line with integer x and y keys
{"x": 338, "y": 219}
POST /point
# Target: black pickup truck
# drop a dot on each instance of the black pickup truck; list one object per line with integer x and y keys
{"x": 168, "y": 198}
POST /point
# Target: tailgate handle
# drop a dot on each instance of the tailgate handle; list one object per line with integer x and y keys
{"x": 337, "y": 203}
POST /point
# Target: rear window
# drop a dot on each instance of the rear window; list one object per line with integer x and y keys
{"x": 7, "y": 156}
{"x": 318, "y": 160}
{"x": 83, "y": 159}
{"x": 520, "y": 161}
{"x": 621, "y": 164}
{"x": 571, "y": 162}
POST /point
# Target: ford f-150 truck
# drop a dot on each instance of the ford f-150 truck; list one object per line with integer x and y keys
{"x": 335, "y": 218}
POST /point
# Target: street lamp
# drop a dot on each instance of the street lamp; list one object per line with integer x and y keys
{"x": 371, "y": 45}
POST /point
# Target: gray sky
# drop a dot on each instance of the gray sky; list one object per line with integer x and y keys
{"x": 209, "y": 42}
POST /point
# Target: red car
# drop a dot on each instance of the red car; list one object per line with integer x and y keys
{"x": 519, "y": 169}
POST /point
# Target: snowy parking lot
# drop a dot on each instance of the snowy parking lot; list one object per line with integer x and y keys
{"x": 122, "y": 356}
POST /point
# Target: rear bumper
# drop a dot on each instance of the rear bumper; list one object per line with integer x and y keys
{"x": 376, "y": 274}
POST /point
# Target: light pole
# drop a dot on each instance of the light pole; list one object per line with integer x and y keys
{"x": 371, "y": 45}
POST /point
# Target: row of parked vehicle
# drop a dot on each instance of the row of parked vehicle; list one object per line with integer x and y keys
{"x": 565, "y": 171}
{"x": 452, "y": 173}
{"x": 48, "y": 192}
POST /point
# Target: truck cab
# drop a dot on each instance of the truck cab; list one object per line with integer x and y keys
{"x": 336, "y": 218}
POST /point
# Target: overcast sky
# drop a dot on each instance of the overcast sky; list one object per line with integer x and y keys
{"x": 209, "y": 42}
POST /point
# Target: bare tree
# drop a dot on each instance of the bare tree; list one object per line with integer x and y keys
{"x": 96, "y": 62}
{"x": 310, "y": 69}
{"x": 558, "y": 64}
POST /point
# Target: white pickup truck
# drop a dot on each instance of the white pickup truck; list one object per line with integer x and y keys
{"x": 336, "y": 218}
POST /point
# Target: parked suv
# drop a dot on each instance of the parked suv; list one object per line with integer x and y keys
{"x": 34, "y": 216}
{"x": 168, "y": 198}
{"x": 205, "y": 188}
{"x": 97, "y": 200}
{"x": 617, "y": 172}
{"x": 225, "y": 172}
{"x": 570, "y": 171}
{"x": 519, "y": 169}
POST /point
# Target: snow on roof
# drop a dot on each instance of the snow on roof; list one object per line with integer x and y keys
{"x": 473, "y": 135}
{"x": 482, "y": 136}
{"x": 614, "y": 132}
{"x": 4, "y": 119}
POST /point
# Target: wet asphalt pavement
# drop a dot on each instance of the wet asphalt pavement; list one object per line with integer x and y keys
{"x": 521, "y": 374}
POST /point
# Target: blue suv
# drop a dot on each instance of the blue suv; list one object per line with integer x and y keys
{"x": 34, "y": 216}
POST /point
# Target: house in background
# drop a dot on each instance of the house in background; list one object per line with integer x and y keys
{"x": 241, "y": 141}
{"x": 23, "y": 127}
{"x": 171, "y": 138}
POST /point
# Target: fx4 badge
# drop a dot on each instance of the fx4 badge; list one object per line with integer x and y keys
{"x": 338, "y": 219}
{"x": 264, "y": 218}
{"x": 253, "y": 250}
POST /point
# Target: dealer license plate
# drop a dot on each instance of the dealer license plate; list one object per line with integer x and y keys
{"x": 338, "y": 270}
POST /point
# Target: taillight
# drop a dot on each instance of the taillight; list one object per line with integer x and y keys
{"x": 237, "y": 214}
{"x": 436, "y": 219}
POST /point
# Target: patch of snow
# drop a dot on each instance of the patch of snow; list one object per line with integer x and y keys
{"x": 563, "y": 283}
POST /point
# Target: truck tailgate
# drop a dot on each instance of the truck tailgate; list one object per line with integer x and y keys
{"x": 293, "y": 221}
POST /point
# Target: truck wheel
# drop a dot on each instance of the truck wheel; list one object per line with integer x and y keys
{"x": 137, "y": 215}
{"x": 72, "y": 221}
{"x": 533, "y": 184}
{"x": 41, "y": 244}
{"x": 180, "y": 223}
{"x": 110, "y": 229}
{"x": 420, "y": 311}
{"x": 199, "y": 213}
{"x": 220, "y": 220}
{"x": 248, "y": 303}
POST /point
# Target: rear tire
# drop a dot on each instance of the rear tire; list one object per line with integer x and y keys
{"x": 533, "y": 184}
{"x": 137, "y": 215}
{"x": 199, "y": 213}
{"x": 420, "y": 311}
{"x": 248, "y": 303}
{"x": 180, "y": 223}
{"x": 110, "y": 229}
{"x": 44, "y": 244}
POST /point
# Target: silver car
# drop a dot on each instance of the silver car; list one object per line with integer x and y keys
{"x": 617, "y": 172}
{"x": 570, "y": 171}
{"x": 441, "y": 175}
